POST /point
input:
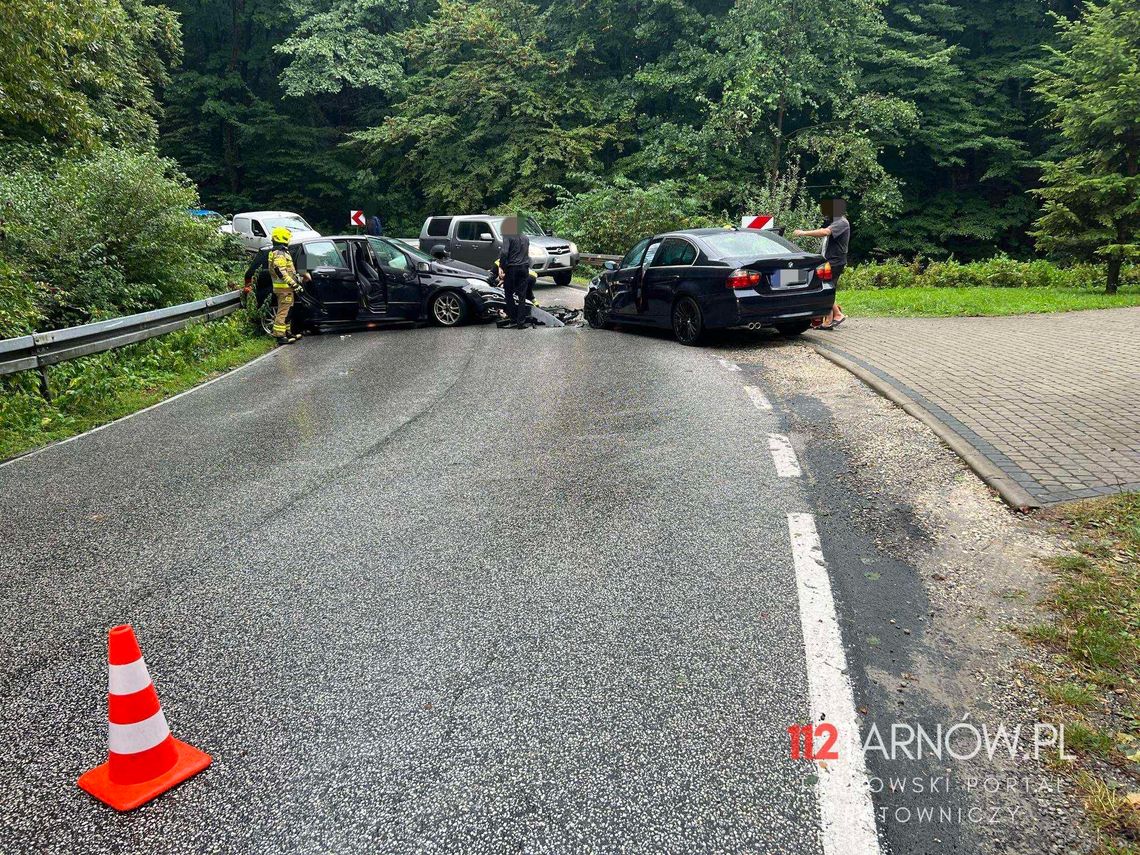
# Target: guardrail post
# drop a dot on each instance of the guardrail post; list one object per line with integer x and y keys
{"x": 45, "y": 389}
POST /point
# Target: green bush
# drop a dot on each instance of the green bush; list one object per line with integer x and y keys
{"x": 999, "y": 272}
{"x": 105, "y": 235}
{"x": 610, "y": 219}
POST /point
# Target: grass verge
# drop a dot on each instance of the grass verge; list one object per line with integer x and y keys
{"x": 1094, "y": 678}
{"x": 98, "y": 389}
{"x": 978, "y": 301}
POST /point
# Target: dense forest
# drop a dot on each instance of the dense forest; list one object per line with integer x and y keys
{"x": 954, "y": 127}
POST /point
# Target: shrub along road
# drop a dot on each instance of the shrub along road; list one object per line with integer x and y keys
{"x": 465, "y": 590}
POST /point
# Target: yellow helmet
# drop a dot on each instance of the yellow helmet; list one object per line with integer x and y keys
{"x": 281, "y": 235}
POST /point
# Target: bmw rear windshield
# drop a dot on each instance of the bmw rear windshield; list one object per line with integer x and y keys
{"x": 748, "y": 244}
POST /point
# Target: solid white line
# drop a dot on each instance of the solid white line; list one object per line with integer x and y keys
{"x": 847, "y": 814}
{"x": 787, "y": 466}
{"x": 155, "y": 406}
{"x": 731, "y": 366}
{"x": 759, "y": 400}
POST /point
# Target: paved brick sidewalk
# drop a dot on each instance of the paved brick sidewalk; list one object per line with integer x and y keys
{"x": 1052, "y": 400}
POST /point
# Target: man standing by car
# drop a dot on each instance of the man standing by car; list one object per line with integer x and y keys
{"x": 514, "y": 271}
{"x": 836, "y": 233}
{"x": 286, "y": 283}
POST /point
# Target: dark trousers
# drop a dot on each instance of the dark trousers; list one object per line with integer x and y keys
{"x": 516, "y": 282}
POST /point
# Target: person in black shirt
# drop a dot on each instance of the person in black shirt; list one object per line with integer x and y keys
{"x": 836, "y": 233}
{"x": 259, "y": 268}
{"x": 514, "y": 271}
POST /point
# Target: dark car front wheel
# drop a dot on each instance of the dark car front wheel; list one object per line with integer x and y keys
{"x": 595, "y": 310}
{"x": 792, "y": 328}
{"x": 688, "y": 323}
{"x": 448, "y": 309}
{"x": 563, "y": 278}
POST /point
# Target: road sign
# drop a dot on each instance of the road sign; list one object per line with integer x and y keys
{"x": 356, "y": 218}
{"x": 758, "y": 221}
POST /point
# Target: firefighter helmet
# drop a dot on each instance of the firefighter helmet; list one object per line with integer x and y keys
{"x": 281, "y": 235}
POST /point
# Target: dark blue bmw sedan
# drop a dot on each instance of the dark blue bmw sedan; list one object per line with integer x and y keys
{"x": 703, "y": 279}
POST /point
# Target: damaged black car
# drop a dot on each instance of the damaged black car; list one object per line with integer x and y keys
{"x": 357, "y": 280}
{"x": 697, "y": 280}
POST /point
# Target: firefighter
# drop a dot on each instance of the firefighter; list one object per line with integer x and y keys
{"x": 286, "y": 283}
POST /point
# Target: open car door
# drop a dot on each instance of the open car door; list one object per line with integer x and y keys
{"x": 370, "y": 282}
{"x": 332, "y": 294}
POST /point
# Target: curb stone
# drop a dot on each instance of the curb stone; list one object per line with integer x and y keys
{"x": 1011, "y": 492}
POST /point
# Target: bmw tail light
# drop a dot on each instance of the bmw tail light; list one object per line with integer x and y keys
{"x": 739, "y": 279}
{"x": 824, "y": 271}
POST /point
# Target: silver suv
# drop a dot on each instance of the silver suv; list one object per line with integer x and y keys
{"x": 478, "y": 238}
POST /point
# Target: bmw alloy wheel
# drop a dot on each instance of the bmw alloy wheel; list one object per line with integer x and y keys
{"x": 687, "y": 322}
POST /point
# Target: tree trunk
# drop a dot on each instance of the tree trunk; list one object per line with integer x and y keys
{"x": 775, "y": 171}
{"x": 1113, "y": 276}
{"x": 1115, "y": 263}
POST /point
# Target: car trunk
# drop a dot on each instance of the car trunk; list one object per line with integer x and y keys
{"x": 793, "y": 272}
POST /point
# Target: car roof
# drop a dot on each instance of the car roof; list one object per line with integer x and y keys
{"x": 269, "y": 214}
{"x": 694, "y": 232}
{"x": 467, "y": 217}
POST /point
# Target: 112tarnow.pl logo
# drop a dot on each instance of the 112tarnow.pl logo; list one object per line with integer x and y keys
{"x": 814, "y": 742}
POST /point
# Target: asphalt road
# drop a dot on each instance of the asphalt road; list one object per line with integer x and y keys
{"x": 424, "y": 590}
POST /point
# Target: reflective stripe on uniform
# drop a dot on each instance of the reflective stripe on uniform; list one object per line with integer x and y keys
{"x": 140, "y": 736}
{"x": 128, "y": 679}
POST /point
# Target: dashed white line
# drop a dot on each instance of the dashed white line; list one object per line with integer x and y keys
{"x": 759, "y": 399}
{"x": 847, "y": 814}
{"x": 729, "y": 366}
{"x": 787, "y": 465}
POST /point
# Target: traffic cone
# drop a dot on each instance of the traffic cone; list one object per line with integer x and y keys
{"x": 144, "y": 760}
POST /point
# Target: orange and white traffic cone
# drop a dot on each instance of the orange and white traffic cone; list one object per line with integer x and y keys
{"x": 145, "y": 760}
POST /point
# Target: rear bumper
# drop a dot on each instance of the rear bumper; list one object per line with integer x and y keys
{"x": 752, "y": 308}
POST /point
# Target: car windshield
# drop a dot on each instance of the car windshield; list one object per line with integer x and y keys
{"x": 289, "y": 221}
{"x": 531, "y": 227}
{"x": 749, "y": 244}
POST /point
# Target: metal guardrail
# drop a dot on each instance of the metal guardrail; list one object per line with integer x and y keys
{"x": 39, "y": 350}
{"x": 596, "y": 260}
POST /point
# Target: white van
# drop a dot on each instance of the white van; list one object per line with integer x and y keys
{"x": 253, "y": 228}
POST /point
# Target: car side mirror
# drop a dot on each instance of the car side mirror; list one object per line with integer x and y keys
{"x": 610, "y": 265}
{"x": 439, "y": 251}
{"x": 423, "y": 267}
{"x": 487, "y": 236}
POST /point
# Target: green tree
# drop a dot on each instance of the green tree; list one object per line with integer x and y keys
{"x": 490, "y": 110}
{"x": 1091, "y": 193}
{"x": 76, "y": 73}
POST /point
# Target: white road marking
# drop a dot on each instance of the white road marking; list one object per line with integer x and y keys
{"x": 731, "y": 366}
{"x": 787, "y": 466}
{"x": 759, "y": 400}
{"x": 847, "y": 814}
{"x": 155, "y": 406}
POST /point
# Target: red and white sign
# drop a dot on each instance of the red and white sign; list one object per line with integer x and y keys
{"x": 759, "y": 221}
{"x": 356, "y": 218}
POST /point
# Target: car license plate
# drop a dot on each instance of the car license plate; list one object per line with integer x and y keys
{"x": 791, "y": 278}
